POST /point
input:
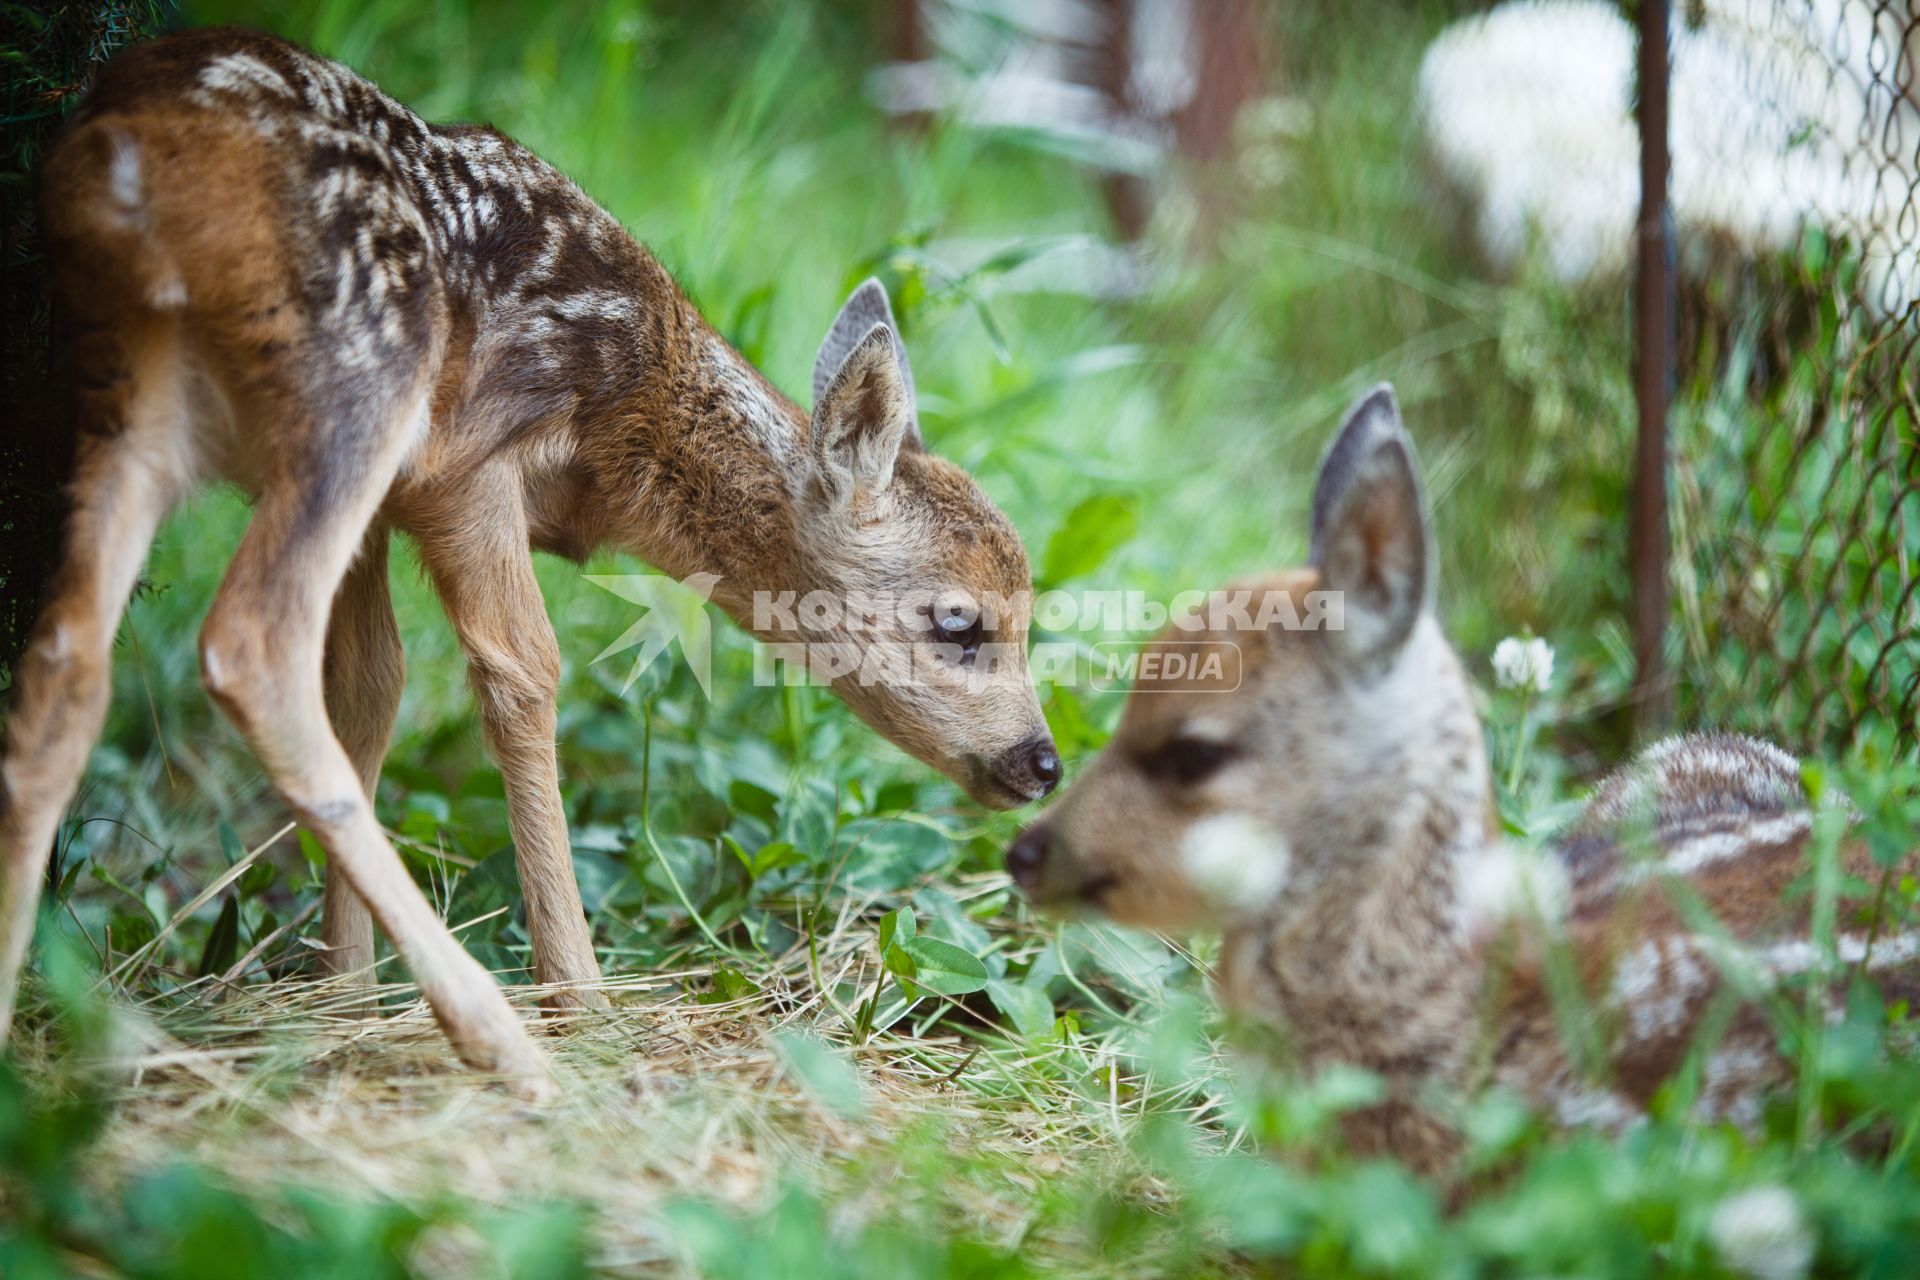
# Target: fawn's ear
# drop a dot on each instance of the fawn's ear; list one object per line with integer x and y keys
{"x": 864, "y": 308}
{"x": 1370, "y": 539}
{"x": 861, "y": 420}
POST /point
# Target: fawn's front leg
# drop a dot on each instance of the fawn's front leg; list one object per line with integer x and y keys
{"x": 365, "y": 673}
{"x": 262, "y": 651}
{"x": 476, "y": 553}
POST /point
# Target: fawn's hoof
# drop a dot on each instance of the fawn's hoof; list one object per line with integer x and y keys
{"x": 490, "y": 1038}
{"x": 520, "y": 1064}
{"x": 536, "y": 1089}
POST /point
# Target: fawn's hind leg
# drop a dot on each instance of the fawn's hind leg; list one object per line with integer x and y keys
{"x": 133, "y": 462}
{"x": 475, "y": 546}
{"x": 262, "y": 652}
{"x": 365, "y": 673}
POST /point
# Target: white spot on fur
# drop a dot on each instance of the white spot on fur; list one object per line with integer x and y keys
{"x": 123, "y": 175}
{"x": 1656, "y": 985}
{"x": 1693, "y": 855}
{"x": 244, "y": 73}
{"x": 1798, "y": 955}
{"x": 1581, "y": 1106}
{"x": 1235, "y": 861}
{"x": 1728, "y": 1080}
{"x": 1758, "y": 771}
{"x": 597, "y": 304}
{"x": 167, "y": 295}
{"x": 212, "y": 672}
{"x": 1690, "y": 856}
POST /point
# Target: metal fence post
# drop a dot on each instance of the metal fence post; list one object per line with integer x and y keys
{"x": 1653, "y": 372}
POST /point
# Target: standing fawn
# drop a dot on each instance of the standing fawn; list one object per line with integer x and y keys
{"x": 268, "y": 272}
{"x": 1332, "y": 815}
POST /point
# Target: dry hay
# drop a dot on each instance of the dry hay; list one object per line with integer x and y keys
{"x": 666, "y": 1094}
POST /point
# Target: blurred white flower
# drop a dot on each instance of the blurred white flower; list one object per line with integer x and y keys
{"x": 1760, "y": 1232}
{"x": 1523, "y": 664}
{"x": 1237, "y": 862}
{"x": 1509, "y": 882}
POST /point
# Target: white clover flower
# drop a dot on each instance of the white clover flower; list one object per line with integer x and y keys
{"x": 1236, "y": 862}
{"x": 1760, "y": 1232}
{"x": 1509, "y": 882}
{"x": 1523, "y": 664}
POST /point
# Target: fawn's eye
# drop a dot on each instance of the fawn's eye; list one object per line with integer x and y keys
{"x": 1186, "y": 761}
{"x": 957, "y": 625}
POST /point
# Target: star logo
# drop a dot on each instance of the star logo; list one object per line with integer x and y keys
{"x": 675, "y": 610}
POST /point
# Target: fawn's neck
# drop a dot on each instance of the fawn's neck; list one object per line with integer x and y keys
{"x": 701, "y": 469}
{"x": 1377, "y": 966}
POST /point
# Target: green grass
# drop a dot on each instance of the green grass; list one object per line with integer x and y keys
{"x": 771, "y": 1097}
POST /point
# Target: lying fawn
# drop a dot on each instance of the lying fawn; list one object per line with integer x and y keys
{"x": 1333, "y": 815}
{"x": 268, "y": 272}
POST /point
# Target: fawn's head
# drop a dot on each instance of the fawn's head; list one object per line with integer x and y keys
{"x": 919, "y": 594}
{"x": 1253, "y": 792}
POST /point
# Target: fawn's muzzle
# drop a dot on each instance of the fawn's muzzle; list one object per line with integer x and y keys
{"x": 1027, "y": 771}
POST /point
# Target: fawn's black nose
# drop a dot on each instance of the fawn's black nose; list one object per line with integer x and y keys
{"x": 1026, "y": 856}
{"x": 1045, "y": 763}
{"x": 1025, "y": 772}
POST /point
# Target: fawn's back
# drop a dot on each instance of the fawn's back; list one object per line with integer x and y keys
{"x": 315, "y": 232}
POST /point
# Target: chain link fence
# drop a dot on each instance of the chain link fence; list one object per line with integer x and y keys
{"x": 1795, "y": 463}
{"x": 1775, "y": 278}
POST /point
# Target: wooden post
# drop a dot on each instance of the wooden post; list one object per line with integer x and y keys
{"x": 1653, "y": 374}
